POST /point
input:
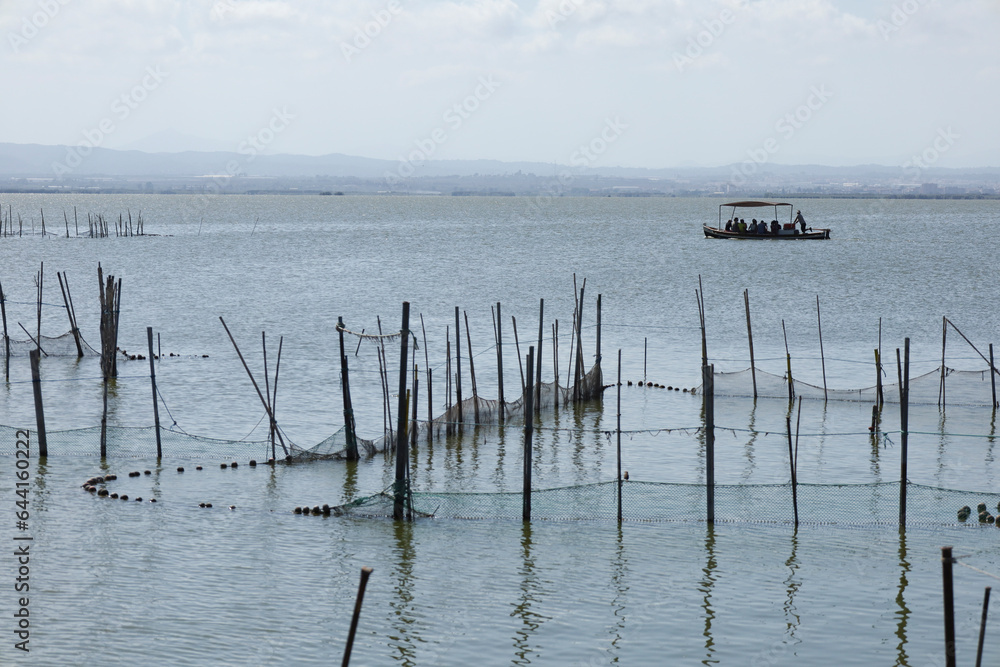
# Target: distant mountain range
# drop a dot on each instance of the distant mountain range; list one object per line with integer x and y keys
{"x": 66, "y": 162}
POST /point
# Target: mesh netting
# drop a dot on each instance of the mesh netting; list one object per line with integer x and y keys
{"x": 475, "y": 411}
{"x": 960, "y": 387}
{"x": 60, "y": 346}
{"x": 849, "y": 504}
{"x": 129, "y": 441}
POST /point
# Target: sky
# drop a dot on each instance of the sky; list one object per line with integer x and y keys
{"x": 589, "y": 83}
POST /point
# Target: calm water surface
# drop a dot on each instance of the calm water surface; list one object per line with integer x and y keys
{"x": 171, "y": 583}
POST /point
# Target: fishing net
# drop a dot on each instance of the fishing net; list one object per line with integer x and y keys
{"x": 475, "y": 411}
{"x": 59, "y": 346}
{"x": 132, "y": 441}
{"x": 846, "y": 504}
{"x": 956, "y": 388}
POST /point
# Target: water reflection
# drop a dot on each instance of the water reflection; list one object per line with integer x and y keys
{"x": 705, "y": 587}
{"x": 792, "y": 585}
{"x": 530, "y": 596}
{"x": 903, "y": 612}
{"x": 402, "y": 637}
{"x": 748, "y": 448}
{"x": 620, "y": 602}
{"x": 876, "y": 427}
{"x": 350, "y": 480}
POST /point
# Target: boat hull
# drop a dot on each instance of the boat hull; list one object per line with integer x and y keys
{"x": 811, "y": 235}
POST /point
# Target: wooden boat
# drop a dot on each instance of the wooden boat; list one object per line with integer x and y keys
{"x": 793, "y": 230}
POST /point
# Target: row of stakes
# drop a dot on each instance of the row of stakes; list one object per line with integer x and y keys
{"x": 984, "y": 516}
{"x": 91, "y": 485}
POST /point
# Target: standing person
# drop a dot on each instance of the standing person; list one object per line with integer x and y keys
{"x": 800, "y": 221}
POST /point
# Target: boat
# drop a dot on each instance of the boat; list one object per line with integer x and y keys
{"x": 793, "y": 230}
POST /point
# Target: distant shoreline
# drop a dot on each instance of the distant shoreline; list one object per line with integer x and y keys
{"x": 503, "y": 194}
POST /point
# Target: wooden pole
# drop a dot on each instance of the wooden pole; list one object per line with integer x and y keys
{"x": 555, "y": 364}
{"x": 982, "y": 627}
{"x": 497, "y": 320}
{"x": 416, "y": 398}
{"x": 822, "y": 357}
{"x": 260, "y": 395}
{"x": 788, "y": 359}
{"x": 578, "y": 369}
{"x": 529, "y": 419}
{"x": 619, "y": 434}
{"x": 365, "y": 573}
{"x": 36, "y": 385}
{"x": 472, "y": 370}
{"x": 274, "y": 392}
{"x": 645, "y": 349}
{"x": 904, "y": 417}
{"x": 878, "y": 379}
{"x": 267, "y": 393}
{"x": 949, "y": 607}
{"x": 399, "y": 509}
{"x": 351, "y": 442}
{"x": 70, "y": 311}
{"x": 597, "y": 360}
{"x": 944, "y": 339}
{"x": 458, "y": 366}
{"x": 41, "y": 281}
{"x": 753, "y": 366}
{"x": 700, "y": 294}
{"x": 447, "y": 382}
{"x": 993, "y": 377}
{"x": 708, "y": 382}
{"x": 427, "y": 365}
{"x": 152, "y": 380}
{"x": 6, "y": 336}
{"x": 538, "y": 357}
{"x": 517, "y": 347}
{"x": 878, "y": 362}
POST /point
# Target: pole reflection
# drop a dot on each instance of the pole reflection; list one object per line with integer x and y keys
{"x": 705, "y": 587}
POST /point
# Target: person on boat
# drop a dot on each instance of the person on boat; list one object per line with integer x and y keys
{"x": 752, "y": 229}
{"x": 743, "y": 226}
{"x": 800, "y": 221}
{"x": 762, "y": 228}
{"x": 729, "y": 225}
{"x": 774, "y": 227}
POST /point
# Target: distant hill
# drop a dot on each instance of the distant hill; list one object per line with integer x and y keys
{"x": 34, "y": 161}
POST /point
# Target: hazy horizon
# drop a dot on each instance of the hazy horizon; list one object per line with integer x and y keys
{"x": 585, "y": 83}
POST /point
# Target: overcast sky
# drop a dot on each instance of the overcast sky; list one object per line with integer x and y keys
{"x": 644, "y": 83}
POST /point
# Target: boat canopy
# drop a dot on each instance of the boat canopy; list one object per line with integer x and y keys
{"x": 752, "y": 204}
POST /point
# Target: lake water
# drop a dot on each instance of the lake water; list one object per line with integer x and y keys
{"x": 173, "y": 583}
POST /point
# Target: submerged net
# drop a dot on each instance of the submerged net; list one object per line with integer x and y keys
{"x": 960, "y": 388}
{"x": 132, "y": 441}
{"x": 847, "y": 504}
{"x": 59, "y": 346}
{"x": 472, "y": 411}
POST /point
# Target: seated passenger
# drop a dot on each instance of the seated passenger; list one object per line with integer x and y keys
{"x": 743, "y": 226}
{"x": 762, "y": 228}
{"x": 729, "y": 225}
{"x": 775, "y": 227}
{"x": 752, "y": 229}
